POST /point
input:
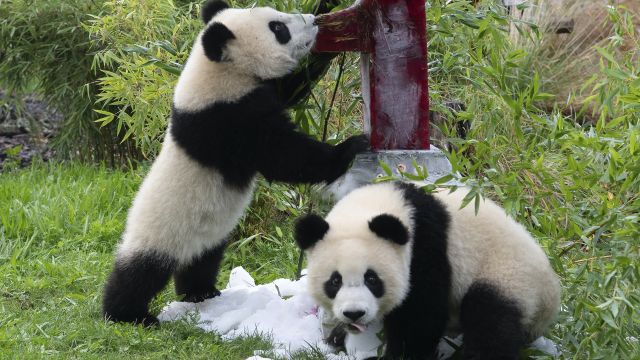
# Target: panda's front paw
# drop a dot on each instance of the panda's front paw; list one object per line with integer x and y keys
{"x": 337, "y": 337}
{"x": 345, "y": 153}
{"x": 200, "y": 297}
{"x": 355, "y": 144}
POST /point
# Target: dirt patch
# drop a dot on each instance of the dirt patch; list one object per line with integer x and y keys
{"x": 27, "y": 126}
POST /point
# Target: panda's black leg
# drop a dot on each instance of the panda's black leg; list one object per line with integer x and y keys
{"x": 491, "y": 324}
{"x": 135, "y": 280}
{"x": 197, "y": 280}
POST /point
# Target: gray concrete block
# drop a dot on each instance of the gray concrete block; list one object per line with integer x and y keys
{"x": 366, "y": 168}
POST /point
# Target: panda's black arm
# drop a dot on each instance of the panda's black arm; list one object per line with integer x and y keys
{"x": 324, "y": 6}
{"x": 296, "y": 87}
{"x": 284, "y": 154}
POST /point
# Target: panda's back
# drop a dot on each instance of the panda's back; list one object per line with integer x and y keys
{"x": 351, "y": 213}
{"x": 492, "y": 248}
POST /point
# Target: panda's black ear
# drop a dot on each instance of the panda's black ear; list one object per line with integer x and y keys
{"x": 309, "y": 230}
{"x": 215, "y": 39}
{"x": 212, "y": 7}
{"x": 389, "y": 227}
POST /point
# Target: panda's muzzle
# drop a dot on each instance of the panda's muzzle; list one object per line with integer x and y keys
{"x": 356, "y": 328}
{"x": 353, "y": 315}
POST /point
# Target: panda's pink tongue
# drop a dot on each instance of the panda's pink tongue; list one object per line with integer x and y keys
{"x": 359, "y": 327}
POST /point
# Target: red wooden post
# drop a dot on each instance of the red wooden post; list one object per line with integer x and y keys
{"x": 391, "y": 34}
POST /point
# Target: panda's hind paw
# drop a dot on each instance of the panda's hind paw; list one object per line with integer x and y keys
{"x": 148, "y": 321}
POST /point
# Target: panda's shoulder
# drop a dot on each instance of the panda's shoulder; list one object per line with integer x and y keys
{"x": 256, "y": 104}
{"x": 430, "y": 211}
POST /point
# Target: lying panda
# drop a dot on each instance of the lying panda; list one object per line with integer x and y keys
{"x": 425, "y": 267}
{"x": 228, "y": 123}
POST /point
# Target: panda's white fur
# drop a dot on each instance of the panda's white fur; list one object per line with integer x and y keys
{"x": 228, "y": 123}
{"x": 493, "y": 246}
{"x": 488, "y": 254}
{"x": 167, "y": 216}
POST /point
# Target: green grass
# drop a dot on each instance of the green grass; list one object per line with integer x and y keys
{"x": 59, "y": 226}
{"x": 60, "y": 223}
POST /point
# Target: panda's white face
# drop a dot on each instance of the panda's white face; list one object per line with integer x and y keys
{"x": 358, "y": 279}
{"x": 359, "y": 257}
{"x": 263, "y": 42}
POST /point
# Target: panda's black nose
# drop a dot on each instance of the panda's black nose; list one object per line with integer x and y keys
{"x": 353, "y": 315}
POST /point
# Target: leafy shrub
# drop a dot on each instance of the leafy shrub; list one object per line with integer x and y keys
{"x": 44, "y": 44}
{"x": 140, "y": 47}
{"x": 575, "y": 186}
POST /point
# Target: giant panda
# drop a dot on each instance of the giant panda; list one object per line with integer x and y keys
{"x": 228, "y": 123}
{"x": 426, "y": 268}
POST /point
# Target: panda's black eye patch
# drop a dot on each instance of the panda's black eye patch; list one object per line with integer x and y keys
{"x": 281, "y": 31}
{"x": 333, "y": 285}
{"x": 373, "y": 282}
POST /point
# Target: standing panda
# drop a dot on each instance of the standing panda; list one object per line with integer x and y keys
{"x": 427, "y": 268}
{"x": 228, "y": 123}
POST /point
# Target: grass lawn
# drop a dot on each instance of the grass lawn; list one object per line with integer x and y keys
{"x": 61, "y": 222}
{"x": 60, "y": 225}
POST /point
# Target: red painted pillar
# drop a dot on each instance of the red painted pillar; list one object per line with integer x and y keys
{"x": 391, "y": 35}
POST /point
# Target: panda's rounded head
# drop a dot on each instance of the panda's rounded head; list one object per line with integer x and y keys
{"x": 259, "y": 42}
{"x": 358, "y": 261}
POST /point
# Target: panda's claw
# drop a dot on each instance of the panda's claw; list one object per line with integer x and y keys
{"x": 196, "y": 298}
{"x": 337, "y": 337}
{"x": 357, "y": 144}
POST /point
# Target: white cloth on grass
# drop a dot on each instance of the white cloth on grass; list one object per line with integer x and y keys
{"x": 284, "y": 312}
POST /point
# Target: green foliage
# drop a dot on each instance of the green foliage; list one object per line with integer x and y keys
{"x": 45, "y": 46}
{"x": 616, "y": 93}
{"x": 140, "y": 47}
{"x": 576, "y": 187}
{"x": 13, "y": 159}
